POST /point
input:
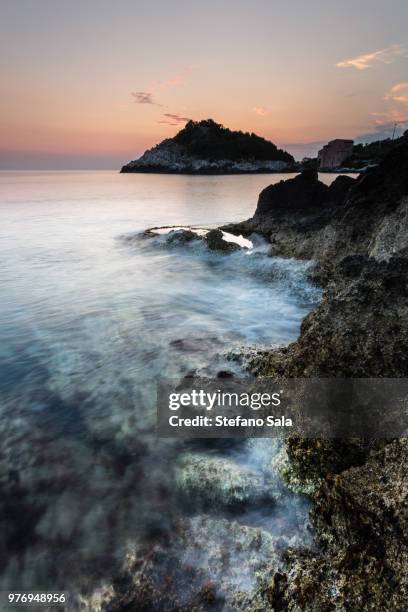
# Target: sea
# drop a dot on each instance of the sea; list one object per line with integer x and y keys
{"x": 92, "y": 314}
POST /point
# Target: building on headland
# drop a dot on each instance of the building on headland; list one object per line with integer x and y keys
{"x": 334, "y": 153}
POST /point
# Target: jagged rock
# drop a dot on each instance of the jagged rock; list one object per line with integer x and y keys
{"x": 216, "y": 242}
{"x": 302, "y": 194}
{"x": 368, "y": 503}
{"x": 225, "y": 374}
{"x": 339, "y": 188}
{"x": 206, "y": 147}
{"x": 361, "y": 516}
{"x": 182, "y": 236}
{"x": 297, "y": 215}
{"x": 374, "y": 217}
{"x": 360, "y": 329}
{"x": 335, "y": 342}
{"x": 367, "y": 216}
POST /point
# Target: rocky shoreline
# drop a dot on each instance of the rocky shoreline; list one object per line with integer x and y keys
{"x": 357, "y": 232}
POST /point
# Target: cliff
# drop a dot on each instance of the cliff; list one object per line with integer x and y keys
{"x": 206, "y": 147}
{"x": 357, "y": 231}
{"x": 303, "y": 218}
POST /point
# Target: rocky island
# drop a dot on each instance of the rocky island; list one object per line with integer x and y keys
{"x": 206, "y": 147}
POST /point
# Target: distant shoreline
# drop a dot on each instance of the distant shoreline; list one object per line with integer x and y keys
{"x": 208, "y": 172}
{"x": 235, "y": 172}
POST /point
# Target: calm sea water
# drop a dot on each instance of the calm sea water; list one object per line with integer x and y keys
{"x": 88, "y": 320}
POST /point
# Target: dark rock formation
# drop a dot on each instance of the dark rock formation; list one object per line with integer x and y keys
{"x": 367, "y": 216}
{"x": 339, "y": 188}
{"x": 181, "y": 236}
{"x": 360, "y": 329}
{"x": 374, "y": 217}
{"x": 297, "y": 215}
{"x": 206, "y": 147}
{"x": 215, "y": 241}
{"x": 300, "y": 194}
{"x": 362, "y": 519}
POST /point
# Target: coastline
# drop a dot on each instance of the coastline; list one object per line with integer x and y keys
{"x": 206, "y": 171}
{"x": 355, "y": 232}
{"x": 365, "y": 273}
{"x": 357, "y": 487}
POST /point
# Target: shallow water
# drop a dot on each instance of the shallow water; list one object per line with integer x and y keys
{"x": 90, "y": 316}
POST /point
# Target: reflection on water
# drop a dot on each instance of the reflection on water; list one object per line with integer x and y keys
{"x": 88, "y": 320}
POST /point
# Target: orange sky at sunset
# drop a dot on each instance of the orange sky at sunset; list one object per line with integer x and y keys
{"x": 94, "y": 88}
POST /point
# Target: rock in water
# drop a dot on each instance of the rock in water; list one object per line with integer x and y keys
{"x": 182, "y": 236}
{"x": 206, "y": 147}
{"x": 216, "y": 242}
{"x": 211, "y": 564}
{"x": 217, "y": 481}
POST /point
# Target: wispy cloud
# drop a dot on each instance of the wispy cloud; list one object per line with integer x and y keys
{"x": 384, "y": 56}
{"x": 261, "y": 111}
{"x": 173, "y": 119}
{"x": 149, "y": 97}
{"x": 398, "y": 93}
{"x": 389, "y": 117}
{"x": 144, "y": 97}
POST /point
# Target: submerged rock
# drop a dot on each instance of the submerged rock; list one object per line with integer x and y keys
{"x": 211, "y": 563}
{"x": 237, "y": 559}
{"x": 214, "y": 239}
{"x": 225, "y": 374}
{"x": 213, "y": 481}
{"x": 182, "y": 236}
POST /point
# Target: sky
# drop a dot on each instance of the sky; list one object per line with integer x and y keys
{"x": 91, "y": 84}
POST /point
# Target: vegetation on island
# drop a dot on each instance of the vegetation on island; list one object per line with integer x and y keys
{"x": 210, "y": 140}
